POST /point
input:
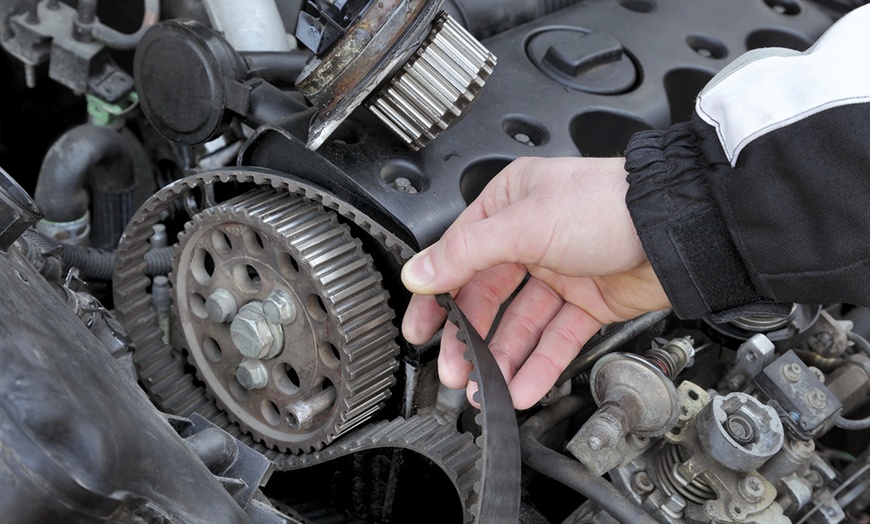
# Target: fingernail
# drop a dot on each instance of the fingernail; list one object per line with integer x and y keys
{"x": 419, "y": 271}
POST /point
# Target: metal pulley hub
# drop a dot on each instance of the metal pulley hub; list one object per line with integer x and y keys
{"x": 427, "y": 66}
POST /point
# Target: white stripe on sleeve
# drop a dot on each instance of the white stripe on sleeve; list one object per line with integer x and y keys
{"x": 765, "y": 90}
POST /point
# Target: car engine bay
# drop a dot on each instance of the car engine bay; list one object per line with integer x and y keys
{"x": 205, "y": 206}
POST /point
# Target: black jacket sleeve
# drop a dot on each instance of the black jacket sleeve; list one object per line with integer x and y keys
{"x": 763, "y": 197}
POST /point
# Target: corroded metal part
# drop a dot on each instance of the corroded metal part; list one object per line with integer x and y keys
{"x": 372, "y": 50}
{"x": 265, "y": 240}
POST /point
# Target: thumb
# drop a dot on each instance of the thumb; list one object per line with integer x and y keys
{"x": 462, "y": 252}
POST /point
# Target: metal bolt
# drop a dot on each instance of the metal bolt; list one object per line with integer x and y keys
{"x": 821, "y": 341}
{"x": 814, "y": 479}
{"x": 674, "y": 505}
{"x": 161, "y": 300}
{"x": 601, "y": 435}
{"x": 817, "y": 398}
{"x": 253, "y": 335}
{"x": 279, "y": 308}
{"x": 751, "y": 488}
{"x": 299, "y": 413}
{"x": 158, "y": 238}
{"x": 791, "y": 372}
{"x": 252, "y": 374}
{"x": 30, "y": 75}
{"x": 221, "y": 306}
{"x": 404, "y": 185}
{"x": 522, "y": 137}
{"x": 595, "y": 442}
{"x": 641, "y": 483}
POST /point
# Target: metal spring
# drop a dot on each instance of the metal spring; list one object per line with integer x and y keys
{"x": 663, "y": 360}
{"x": 672, "y": 455}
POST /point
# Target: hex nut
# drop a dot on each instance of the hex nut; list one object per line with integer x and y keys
{"x": 252, "y": 374}
{"x": 817, "y": 398}
{"x": 253, "y": 335}
{"x": 791, "y": 372}
{"x": 221, "y": 306}
{"x": 279, "y": 307}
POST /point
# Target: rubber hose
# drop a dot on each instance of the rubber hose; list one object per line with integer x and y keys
{"x": 275, "y": 67}
{"x": 85, "y": 156}
{"x": 127, "y": 42}
{"x": 98, "y": 264}
{"x": 859, "y": 342}
{"x": 862, "y": 423}
{"x": 851, "y": 424}
{"x": 567, "y": 470}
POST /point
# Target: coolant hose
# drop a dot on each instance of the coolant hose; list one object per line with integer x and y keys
{"x": 87, "y": 160}
{"x": 567, "y": 470}
{"x": 98, "y": 264}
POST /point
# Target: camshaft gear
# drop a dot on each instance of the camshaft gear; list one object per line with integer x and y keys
{"x": 166, "y": 375}
{"x": 284, "y": 318}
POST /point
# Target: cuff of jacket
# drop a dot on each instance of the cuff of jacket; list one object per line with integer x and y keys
{"x": 682, "y": 229}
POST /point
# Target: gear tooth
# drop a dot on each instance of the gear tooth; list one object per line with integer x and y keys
{"x": 468, "y": 355}
{"x": 474, "y": 375}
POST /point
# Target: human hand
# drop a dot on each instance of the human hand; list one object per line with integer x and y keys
{"x": 564, "y": 221}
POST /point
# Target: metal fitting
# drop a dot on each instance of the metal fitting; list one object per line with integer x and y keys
{"x": 817, "y": 398}
{"x": 641, "y": 483}
{"x": 299, "y": 413}
{"x": 674, "y": 506}
{"x": 253, "y": 335}
{"x": 221, "y": 306}
{"x": 791, "y": 372}
{"x": 751, "y": 488}
{"x": 279, "y": 307}
{"x": 252, "y": 374}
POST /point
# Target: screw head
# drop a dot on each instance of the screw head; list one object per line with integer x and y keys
{"x": 279, "y": 307}
{"x": 252, "y": 374}
{"x": 251, "y": 333}
{"x": 221, "y": 306}
{"x": 751, "y": 488}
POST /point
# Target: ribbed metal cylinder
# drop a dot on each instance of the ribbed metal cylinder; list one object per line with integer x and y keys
{"x": 436, "y": 85}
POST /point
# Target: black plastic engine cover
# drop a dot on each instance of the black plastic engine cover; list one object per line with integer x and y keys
{"x": 578, "y": 82}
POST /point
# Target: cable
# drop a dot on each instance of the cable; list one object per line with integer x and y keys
{"x": 570, "y": 472}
